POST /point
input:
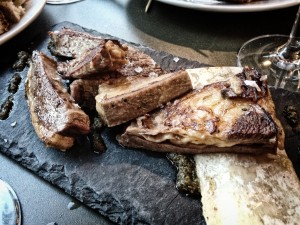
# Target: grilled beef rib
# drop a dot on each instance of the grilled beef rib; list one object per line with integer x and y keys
{"x": 56, "y": 118}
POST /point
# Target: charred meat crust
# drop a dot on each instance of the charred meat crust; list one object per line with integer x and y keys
{"x": 253, "y": 86}
{"x": 107, "y": 57}
{"x": 256, "y": 123}
{"x": 133, "y": 141}
{"x": 55, "y": 115}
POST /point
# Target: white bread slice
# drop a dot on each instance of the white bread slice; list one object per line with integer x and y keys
{"x": 248, "y": 190}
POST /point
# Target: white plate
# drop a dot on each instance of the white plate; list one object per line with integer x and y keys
{"x": 33, "y": 9}
{"x": 221, "y": 6}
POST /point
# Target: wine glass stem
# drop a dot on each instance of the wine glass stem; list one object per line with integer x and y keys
{"x": 290, "y": 51}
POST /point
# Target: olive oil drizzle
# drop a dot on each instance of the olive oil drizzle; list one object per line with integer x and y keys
{"x": 187, "y": 180}
{"x": 13, "y": 85}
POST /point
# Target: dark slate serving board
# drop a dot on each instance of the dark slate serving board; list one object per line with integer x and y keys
{"x": 128, "y": 186}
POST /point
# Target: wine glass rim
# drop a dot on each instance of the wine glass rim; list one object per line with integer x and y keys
{"x": 265, "y": 36}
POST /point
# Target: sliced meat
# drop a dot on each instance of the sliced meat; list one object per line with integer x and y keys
{"x": 72, "y": 43}
{"x": 139, "y": 63}
{"x": 55, "y": 116}
{"x": 203, "y": 121}
{"x": 128, "y": 99}
{"x": 106, "y": 57}
{"x": 84, "y": 90}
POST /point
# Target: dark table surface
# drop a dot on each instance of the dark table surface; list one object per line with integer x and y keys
{"x": 207, "y": 37}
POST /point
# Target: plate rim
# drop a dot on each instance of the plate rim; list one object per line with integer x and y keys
{"x": 33, "y": 10}
{"x": 267, "y": 6}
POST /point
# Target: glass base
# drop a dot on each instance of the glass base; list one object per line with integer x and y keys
{"x": 10, "y": 210}
{"x": 261, "y": 53}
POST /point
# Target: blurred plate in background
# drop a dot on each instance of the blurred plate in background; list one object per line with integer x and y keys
{"x": 222, "y": 6}
{"x": 33, "y": 9}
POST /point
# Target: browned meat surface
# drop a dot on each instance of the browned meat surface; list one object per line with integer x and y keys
{"x": 139, "y": 63}
{"x": 84, "y": 90}
{"x": 106, "y": 57}
{"x": 71, "y": 43}
{"x": 74, "y": 44}
{"x": 55, "y": 116}
{"x": 205, "y": 121}
{"x": 127, "y": 98}
{"x": 255, "y": 124}
{"x": 93, "y": 72}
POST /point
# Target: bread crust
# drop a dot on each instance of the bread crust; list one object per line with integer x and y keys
{"x": 141, "y": 143}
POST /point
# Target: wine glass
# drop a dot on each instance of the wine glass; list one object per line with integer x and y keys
{"x": 277, "y": 56}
